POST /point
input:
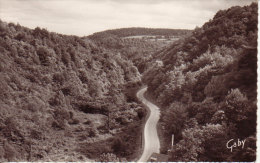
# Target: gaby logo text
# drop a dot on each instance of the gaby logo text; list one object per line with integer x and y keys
{"x": 235, "y": 144}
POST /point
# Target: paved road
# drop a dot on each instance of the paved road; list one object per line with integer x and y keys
{"x": 151, "y": 139}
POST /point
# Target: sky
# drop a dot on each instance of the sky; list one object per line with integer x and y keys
{"x": 84, "y": 17}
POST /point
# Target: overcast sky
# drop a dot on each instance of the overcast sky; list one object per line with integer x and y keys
{"x": 84, "y": 17}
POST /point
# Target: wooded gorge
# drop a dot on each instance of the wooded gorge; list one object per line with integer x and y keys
{"x": 70, "y": 98}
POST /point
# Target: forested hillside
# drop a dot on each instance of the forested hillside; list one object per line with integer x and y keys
{"x": 206, "y": 87}
{"x": 63, "y": 98}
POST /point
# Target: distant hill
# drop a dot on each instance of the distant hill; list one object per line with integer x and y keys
{"x": 137, "y": 44}
{"x": 206, "y": 85}
{"x": 136, "y": 31}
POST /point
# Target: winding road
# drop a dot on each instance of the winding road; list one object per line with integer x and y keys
{"x": 151, "y": 139}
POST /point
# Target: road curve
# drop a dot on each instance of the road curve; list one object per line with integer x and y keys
{"x": 151, "y": 139}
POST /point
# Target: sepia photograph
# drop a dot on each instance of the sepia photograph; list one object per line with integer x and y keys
{"x": 128, "y": 80}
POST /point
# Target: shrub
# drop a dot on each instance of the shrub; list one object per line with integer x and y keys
{"x": 43, "y": 54}
{"x": 141, "y": 113}
{"x": 118, "y": 146}
{"x": 36, "y": 134}
{"x": 60, "y": 116}
{"x": 58, "y": 78}
{"x": 70, "y": 90}
{"x": 66, "y": 58}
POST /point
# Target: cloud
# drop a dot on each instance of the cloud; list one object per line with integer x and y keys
{"x": 83, "y": 17}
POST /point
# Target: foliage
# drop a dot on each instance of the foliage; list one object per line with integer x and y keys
{"x": 212, "y": 73}
{"x": 51, "y": 77}
{"x": 236, "y": 104}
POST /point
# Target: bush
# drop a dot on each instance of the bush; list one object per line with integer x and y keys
{"x": 58, "y": 78}
{"x": 70, "y": 90}
{"x": 43, "y": 54}
{"x": 141, "y": 113}
{"x": 119, "y": 146}
{"x": 36, "y": 134}
{"x": 60, "y": 116}
{"x": 66, "y": 58}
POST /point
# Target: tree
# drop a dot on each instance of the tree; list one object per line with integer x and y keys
{"x": 44, "y": 55}
{"x": 236, "y": 105}
{"x": 216, "y": 137}
{"x": 174, "y": 119}
{"x": 189, "y": 147}
{"x": 200, "y": 141}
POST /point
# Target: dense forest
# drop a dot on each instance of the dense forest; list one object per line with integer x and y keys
{"x": 58, "y": 90}
{"x": 65, "y": 96}
{"x": 206, "y": 88}
{"x": 69, "y": 98}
